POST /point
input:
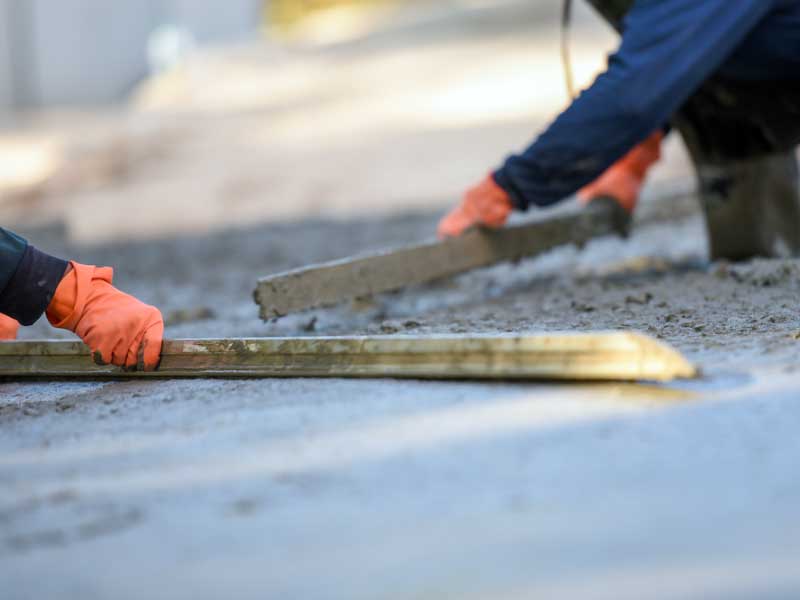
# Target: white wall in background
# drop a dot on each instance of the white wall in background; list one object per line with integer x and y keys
{"x": 94, "y": 51}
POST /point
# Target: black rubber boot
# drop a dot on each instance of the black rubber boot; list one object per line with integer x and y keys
{"x": 752, "y": 207}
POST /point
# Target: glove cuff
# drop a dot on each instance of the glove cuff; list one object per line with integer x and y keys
{"x": 72, "y": 294}
{"x": 501, "y": 180}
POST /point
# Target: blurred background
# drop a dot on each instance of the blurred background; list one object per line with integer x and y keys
{"x": 138, "y": 119}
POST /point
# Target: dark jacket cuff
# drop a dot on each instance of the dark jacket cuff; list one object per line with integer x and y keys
{"x": 29, "y": 291}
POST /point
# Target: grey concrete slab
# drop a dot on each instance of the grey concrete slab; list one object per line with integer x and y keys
{"x": 345, "y": 489}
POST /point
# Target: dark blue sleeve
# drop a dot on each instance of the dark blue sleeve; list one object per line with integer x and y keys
{"x": 669, "y": 48}
{"x": 12, "y": 248}
{"x": 28, "y": 278}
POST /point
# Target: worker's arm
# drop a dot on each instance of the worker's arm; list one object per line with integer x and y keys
{"x": 28, "y": 278}
{"x": 118, "y": 328}
{"x": 669, "y": 48}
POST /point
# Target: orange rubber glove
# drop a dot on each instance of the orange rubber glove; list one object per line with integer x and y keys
{"x": 485, "y": 204}
{"x": 624, "y": 179}
{"x": 118, "y": 328}
{"x": 8, "y": 328}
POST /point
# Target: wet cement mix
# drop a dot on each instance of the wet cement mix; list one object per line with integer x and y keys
{"x": 132, "y": 476}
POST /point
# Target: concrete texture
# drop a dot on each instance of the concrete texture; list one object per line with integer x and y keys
{"x": 397, "y": 490}
{"x": 363, "y": 489}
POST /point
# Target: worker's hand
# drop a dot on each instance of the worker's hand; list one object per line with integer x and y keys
{"x": 118, "y": 328}
{"x": 485, "y": 204}
{"x": 624, "y": 179}
{"x": 8, "y": 328}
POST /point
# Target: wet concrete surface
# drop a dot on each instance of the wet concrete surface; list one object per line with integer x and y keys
{"x": 364, "y": 489}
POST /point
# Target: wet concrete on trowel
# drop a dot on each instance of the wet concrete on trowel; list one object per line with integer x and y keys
{"x": 357, "y": 489}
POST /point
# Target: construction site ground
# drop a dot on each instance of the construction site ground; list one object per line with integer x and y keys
{"x": 334, "y": 488}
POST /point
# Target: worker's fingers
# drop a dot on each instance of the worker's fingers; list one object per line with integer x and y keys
{"x": 101, "y": 357}
{"x": 119, "y": 352}
{"x": 152, "y": 342}
{"x": 484, "y": 204}
{"x": 132, "y": 352}
{"x": 464, "y": 217}
{"x": 454, "y": 224}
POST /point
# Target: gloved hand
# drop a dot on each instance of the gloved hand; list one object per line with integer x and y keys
{"x": 8, "y": 327}
{"x": 624, "y": 179}
{"x": 118, "y": 328}
{"x": 485, "y": 204}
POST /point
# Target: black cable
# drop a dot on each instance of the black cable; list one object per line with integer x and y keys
{"x": 566, "y": 60}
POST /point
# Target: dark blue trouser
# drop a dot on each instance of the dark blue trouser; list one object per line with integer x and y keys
{"x": 28, "y": 278}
